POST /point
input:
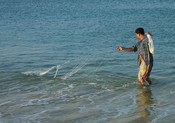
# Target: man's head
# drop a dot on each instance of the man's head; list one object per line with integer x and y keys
{"x": 139, "y": 33}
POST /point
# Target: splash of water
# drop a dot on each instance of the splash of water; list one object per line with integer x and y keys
{"x": 72, "y": 72}
{"x": 43, "y": 72}
{"x": 57, "y": 68}
{"x": 38, "y": 72}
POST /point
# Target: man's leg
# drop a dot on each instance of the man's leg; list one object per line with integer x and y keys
{"x": 148, "y": 74}
{"x": 142, "y": 69}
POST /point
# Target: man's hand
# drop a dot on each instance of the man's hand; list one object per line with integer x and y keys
{"x": 148, "y": 33}
{"x": 147, "y": 68}
{"x": 119, "y": 48}
{"x": 142, "y": 81}
{"x": 125, "y": 49}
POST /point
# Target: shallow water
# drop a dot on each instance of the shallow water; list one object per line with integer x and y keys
{"x": 59, "y": 63}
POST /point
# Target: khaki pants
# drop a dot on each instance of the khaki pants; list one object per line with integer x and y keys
{"x": 142, "y": 70}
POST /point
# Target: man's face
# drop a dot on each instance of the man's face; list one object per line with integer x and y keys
{"x": 138, "y": 36}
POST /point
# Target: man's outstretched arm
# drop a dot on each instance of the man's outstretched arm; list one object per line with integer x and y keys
{"x": 125, "y": 49}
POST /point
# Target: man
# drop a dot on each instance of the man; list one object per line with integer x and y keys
{"x": 145, "y": 58}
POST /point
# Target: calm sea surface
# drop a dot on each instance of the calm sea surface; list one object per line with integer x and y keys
{"x": 58, "y": 62}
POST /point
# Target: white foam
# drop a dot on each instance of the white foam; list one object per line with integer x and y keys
{"x": 92, "y": 83}
{"x": 4, "y": 103}
{"x": 71, "y": 86}
{"x": 32, "y": 102}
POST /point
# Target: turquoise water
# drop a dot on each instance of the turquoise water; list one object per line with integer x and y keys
{"x": 59, "y": 63}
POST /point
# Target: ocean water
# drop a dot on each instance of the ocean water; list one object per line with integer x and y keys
{"x": 58, "y": 62}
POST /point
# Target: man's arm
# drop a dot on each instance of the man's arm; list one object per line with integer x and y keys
{"x": 125, "y": 49}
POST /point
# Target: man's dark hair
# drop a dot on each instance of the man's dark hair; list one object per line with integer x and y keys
{"x": 140, "y": 31}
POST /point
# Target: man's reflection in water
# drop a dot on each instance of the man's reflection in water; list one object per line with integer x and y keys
{"x": 144, "y": 101}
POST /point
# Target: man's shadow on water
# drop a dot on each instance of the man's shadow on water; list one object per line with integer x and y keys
{"x": 144, "y": 100}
